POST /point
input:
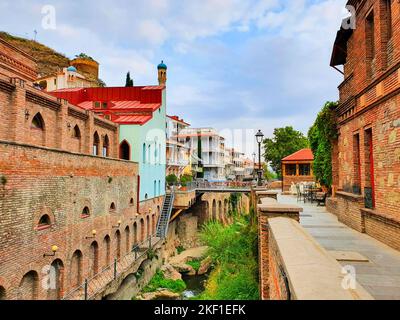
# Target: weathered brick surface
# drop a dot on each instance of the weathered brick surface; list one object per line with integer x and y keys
{"x": 267, "y": 256}
{"x": 60, "y": 184}
{"x": 369, "y": 100}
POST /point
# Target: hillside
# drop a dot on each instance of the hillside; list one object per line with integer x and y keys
{"x": 48, "y": 60}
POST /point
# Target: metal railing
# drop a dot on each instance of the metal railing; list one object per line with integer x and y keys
{"x": 97, "y": 283}
{"x": 217, "y": 185}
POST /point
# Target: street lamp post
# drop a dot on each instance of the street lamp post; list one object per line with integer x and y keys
{"x": 260, "y": 138}
{"x": 254, "y": 166}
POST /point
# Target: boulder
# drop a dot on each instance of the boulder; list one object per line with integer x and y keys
{"x": 184, "y": 268}
{"x": 170, "y": 272}
{"x": 205, "y": 266}
{"x": 161, "y": 294}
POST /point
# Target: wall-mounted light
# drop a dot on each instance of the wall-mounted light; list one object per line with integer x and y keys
{"x": 69, "y": 125}
{"x": 94, "y": 232}
{"x": 119, "y": 224}
{"x": 54, "y": 249}
{"x": 27, "y": 114}
{"x": 150, "y": 210}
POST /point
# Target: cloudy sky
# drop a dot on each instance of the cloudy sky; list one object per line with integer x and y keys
{"x": 238, "y": 64}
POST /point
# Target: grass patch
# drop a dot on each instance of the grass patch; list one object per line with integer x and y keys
{"x": 180, "y": 249}
{"x": 159, "y": 281}
{"x": 195, "y": 264}
{"x": 233, "y": 250}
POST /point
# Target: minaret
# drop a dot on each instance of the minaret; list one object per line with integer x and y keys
{"x": 162, "y": 74}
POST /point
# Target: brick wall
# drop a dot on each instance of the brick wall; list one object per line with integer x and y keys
{"x": 14, "y": 62}
{"x": 369, "y": 102}
{"x": 64, "y": 126}
{"x": 41, "y": 181}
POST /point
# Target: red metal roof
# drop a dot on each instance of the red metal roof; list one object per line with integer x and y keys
{"x": 301, "y": 155}
{"x": 176, "y": 118}
{"x": 130, "y": 103}
{"x": 135, "y": 119}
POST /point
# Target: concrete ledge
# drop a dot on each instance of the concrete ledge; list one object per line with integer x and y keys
{"x": 273, "y": 206}
{"x": 311, "y": 272}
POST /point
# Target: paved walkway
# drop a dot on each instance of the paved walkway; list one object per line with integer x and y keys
{"x": 380, "y": 276}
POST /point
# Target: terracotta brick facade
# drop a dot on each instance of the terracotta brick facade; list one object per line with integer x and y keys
{"x": 55, "y": 190}
{"x": 366, "y": 157}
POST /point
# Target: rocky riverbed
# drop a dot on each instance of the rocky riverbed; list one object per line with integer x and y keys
{"x": 192, "y": 266}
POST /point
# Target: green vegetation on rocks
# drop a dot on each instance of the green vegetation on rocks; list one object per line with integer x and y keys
{"x": 159, "y": 281}
{"x": 233, "y": 250}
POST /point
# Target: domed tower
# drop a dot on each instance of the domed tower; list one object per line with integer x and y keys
{"x": 162, "y": 73}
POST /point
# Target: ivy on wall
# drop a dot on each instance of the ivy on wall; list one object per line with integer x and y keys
{"x": 321, "y": 136}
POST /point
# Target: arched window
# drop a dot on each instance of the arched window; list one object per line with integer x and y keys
{"x": 44, "y": 222}
{"x": 153, "y": 223}
{"x": 214, "y": 210}
{"x": 85, "y": 212}
{"x": 94, "y": 258}
{"x": 2, "y": 293}
{"x": 142, "y": 230}
{"x": 135, "y": 233}
{"x": 144, "y": 153}
{"x": 127, "y": 240}
{"x": 38, "y": 122}
{"x": 55, "y": 292}
{"x": 112, "y": 207}
{"x": 146, "y": 196}
{"x": 29, "y": 285}
{"x": 159, "y": 153}
{"x": 107, "y": 245}
{"x": 76, "y": 133}
{"x": 148, "y": 227}
{"x": 132, "y": 202}
{"x": 124, "y": 151}
{"x": 76, "y": 269}
{"x": 118, "y": 244}
{"x": 96, "y": 144}
{"x": 149, "y": 160}
{"x": 106, "y": 146}
{"x": 155, "y": 188}
{"x": 159, "y": 187}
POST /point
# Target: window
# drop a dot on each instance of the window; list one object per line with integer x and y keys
{"x": 77, "y": 133}
{"x": 290, "y": 169}
{"x": 304, "y": 169}
{"x": 97, "y": 105}
{"x": 96, "y": 144}
{"x": 369, "y": 170}
{"x": 106, "y": 144}
{"x": 155, "y": 188}
{"x": 104, "y": 105}
{"x": 44, "y": 222}
{"x": 144, "y": 153}
{"x": 37, "y": 122}
{"x": 85, "y": 212}
{"x": 388, "y": 17}
{"x": 132, "y": 202}
{"x": 124, "y": 151}
{"x": 107, "y": 117}
{"x": 112, "y": 207}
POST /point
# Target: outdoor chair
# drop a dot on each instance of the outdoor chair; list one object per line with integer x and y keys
{"x": 321, "y": 198}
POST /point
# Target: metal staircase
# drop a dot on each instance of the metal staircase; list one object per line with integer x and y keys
{"x": 163, "y": 221}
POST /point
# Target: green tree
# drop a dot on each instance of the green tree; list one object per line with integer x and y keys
{"x": 268, "y": 174}
{"x": 171, "y": 179}
{"x": 129, "y": 80}
{"x": 285, "y": 142}
{"x": 321, "y": 136}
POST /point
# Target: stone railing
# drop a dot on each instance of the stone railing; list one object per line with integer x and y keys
{"x": 301, "y": 269}
{"x": 293, "y": 266}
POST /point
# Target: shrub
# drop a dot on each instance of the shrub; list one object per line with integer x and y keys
{"x": 233, "y": 250}
{"x": 172, "y": 179}
{"x": 185, "y": 179}
{"x": 159, "y": 281}
{"x": 195, "y": 264}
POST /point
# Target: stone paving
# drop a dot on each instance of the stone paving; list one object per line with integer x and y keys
{"x": 380, "y": 276}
